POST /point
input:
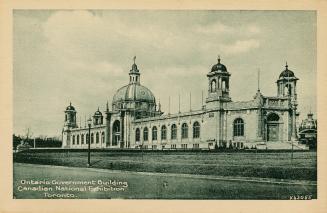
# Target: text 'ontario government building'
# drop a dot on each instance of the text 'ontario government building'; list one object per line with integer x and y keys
{"x": 136, "y": 121}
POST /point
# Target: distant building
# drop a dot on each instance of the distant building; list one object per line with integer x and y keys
{"x": 308, "y": 131}
{"x": 136, "y": 119}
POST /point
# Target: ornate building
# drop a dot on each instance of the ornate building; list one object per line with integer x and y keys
{"x": 136, "y": 120}
{"x": 308, "y": 132}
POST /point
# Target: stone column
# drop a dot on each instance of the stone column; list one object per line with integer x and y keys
{"x": 107, "y": 130}
{"x": 294, "y": 136}
{"x": 122, "y": 128}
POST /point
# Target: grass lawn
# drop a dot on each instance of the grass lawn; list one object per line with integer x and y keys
{"x": 276, "y": 165}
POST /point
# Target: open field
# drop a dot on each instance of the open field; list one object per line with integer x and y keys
{"x": 276, "y": 165}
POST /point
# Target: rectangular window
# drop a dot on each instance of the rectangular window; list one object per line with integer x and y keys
{"x": 184, "y": 146}
{"x": 173, "y": 132}
{"x": 196, "y": 146}
{"x": 163, "y": 133}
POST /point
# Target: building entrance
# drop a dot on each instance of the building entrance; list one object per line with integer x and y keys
{"x": 273, "y": 127}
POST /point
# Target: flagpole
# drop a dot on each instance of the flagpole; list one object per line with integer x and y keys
{"x": 169, "y": 105}
{"x": 202, "y": 99}
{"x": 190, "y": 101}
{"x": 179, "y": 103}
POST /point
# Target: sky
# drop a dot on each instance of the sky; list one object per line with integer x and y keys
{"x": 84, "y": 56}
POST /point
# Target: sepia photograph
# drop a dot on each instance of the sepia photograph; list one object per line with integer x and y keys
{"x": 165, "y": 104}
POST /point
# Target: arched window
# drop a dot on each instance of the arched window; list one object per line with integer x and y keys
{"x": 288, "y": 89}
{"x": 82, "y": 139}
{"x": 145, "y": 134}
{"x": 213, "y": 85}
{"x": 238, "y": 127}
{"x": 154, "y": 133}
{"x": 223, "y": 85}
{"x": 87, "y": 138}
{"x": 92, "y": 137}
{"x": 173, "y": 131}
{"x": 73, "y": 139}
{"x": 196, "y": 130}
{"x": 137, "y": 134}
{"x": 102, "y": 137}
{"x": 97, "y": 138}
{"x": 163, "y": 132}
{"x": 116, "y": 133}
{"x": 272, "y": 117}
{"x": 184, "y": 130}
{"x": 77, "y": 139}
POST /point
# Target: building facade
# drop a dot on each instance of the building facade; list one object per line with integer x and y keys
{"x": 136, "y": 120}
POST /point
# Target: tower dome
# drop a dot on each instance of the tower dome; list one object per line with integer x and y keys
{"x": 97, "y": 118}
{"x": 70, "y": 107}
{"x": 286, "y": 73}
{"x": 219, "y": 67}
{"x": 98, "y": 113}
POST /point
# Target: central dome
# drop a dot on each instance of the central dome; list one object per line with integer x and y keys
{"x": 133, "y": 93}
{"x": 135, "y": 97}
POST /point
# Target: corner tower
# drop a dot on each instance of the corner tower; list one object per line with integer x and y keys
{"x": 286, "y": 88}
{"x": 70, "y": 123}
{"x": 218, "y": 84}
{"x": 70, "y": 116}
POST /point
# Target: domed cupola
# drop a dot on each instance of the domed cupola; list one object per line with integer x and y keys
{"x": 309, "y": 123}
{"x": 218, "y": 67}
{"x": 97, "y": 118}
{"x": 134, "y": 74}
{"x": 98, "y": 113}
{"x": 70, "y": 116}
{"x": 134, "y": 67}
{"x": 287, "y": 83}
{"x": 218, "y": 88}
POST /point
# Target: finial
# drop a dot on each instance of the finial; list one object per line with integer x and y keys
{"x": 98, "y": 109}
{"x": 286, "y": 66}
{"x": 107, "y": 106}
{"x": 218, "y": 59}
{"x": 70, "y": 103}
{"x": 134, "y": 59}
